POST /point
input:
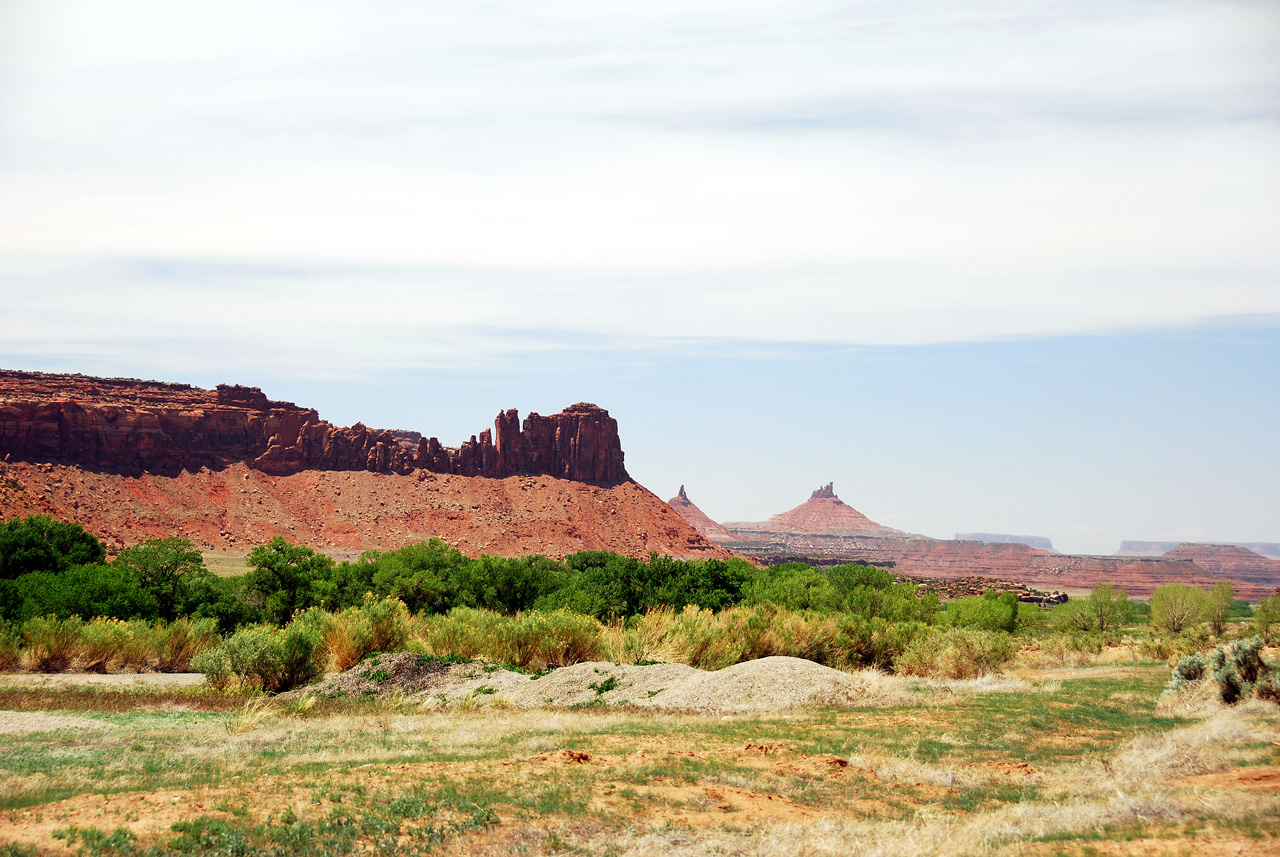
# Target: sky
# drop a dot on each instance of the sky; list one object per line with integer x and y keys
{"x": 989, "y": 266}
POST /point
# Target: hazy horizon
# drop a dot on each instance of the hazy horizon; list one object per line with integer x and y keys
{"x": 1005, "y": 268}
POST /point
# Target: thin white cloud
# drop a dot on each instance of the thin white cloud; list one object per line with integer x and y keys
{"x": 425, "y": 184}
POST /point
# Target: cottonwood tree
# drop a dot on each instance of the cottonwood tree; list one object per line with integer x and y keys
{"x": 1267, "y": 616}
{"x": 1220, "y": 605}
{"x": 284, "y": 577}
{"x": 1176, "y": 607}
{"x": 1109, "y": 607}
{"x": 162, "y": 565}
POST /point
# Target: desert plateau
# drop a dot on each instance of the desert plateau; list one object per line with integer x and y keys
{"x": 510, "y": 646}
{"x": 349, "y": 351}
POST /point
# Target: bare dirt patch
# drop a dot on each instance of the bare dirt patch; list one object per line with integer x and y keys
{"x": 763, "y": 685}
{"x": 14, "y": 722}
{"x": 124, "y": 680}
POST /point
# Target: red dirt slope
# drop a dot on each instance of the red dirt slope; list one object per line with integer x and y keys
{"x": 238, "y": 507}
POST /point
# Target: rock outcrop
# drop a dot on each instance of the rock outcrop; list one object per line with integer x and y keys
{"x": 1038, "y": 542}
{"x": 127, "y": 426}
{"x": 696, "y": 518}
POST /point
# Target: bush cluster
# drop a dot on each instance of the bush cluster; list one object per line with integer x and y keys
{"x": 1237, "y": 669}
{"x": 296, "y": 613}
{"x": 52, "y": 644}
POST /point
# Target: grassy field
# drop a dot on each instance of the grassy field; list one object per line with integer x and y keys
{"x": 225, "y": 564}
{"x": 1084, "y": 762}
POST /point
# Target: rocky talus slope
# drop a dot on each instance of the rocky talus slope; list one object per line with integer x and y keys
{"x": 230, "y": 469}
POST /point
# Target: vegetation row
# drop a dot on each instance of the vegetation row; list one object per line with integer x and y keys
{"x": 296, "y": 613}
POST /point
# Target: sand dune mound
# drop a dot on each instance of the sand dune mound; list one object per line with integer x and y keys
{"x": 767, "y": 684}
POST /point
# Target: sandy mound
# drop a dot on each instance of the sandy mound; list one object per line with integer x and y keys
{"x": 767, "y": 684}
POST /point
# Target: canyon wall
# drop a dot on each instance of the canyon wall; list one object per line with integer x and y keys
{"x": 128, "y": 426}
{"x": 1038, "y": 542}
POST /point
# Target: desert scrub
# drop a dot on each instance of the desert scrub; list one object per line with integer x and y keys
{"x": 1237, "y": 669}
{"x": 955, "y": 653}
{"x": 710, "y": 640}
{"x": 175, "y": 644}
{"x": 109, "y": 644}
{"x": 263, "y": 658}
{"x": 377, "y": 625}
{"x": 534, "y": 640}
{"x": 50, "y": 644}
{"x": 10, "y": 645}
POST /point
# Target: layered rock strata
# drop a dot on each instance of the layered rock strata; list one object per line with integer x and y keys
{"x": 128, "y": 426}
{"x": 1038, "y": 542}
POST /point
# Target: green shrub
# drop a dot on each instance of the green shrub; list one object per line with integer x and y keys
{"x": 532, "y": 640}
{"x": 956, "y": 653}
{"x": 82, "y": 590}
{"x": 992, "y": 611}
{"x": 263, "y": 657}
{"x": 10, "y": 645}
{"x": 39, "y": 543}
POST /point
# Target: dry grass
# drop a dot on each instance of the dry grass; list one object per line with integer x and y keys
{"x": 923, "y": 776}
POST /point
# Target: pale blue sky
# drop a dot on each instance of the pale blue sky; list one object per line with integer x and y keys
{"x": 993, "y": 266}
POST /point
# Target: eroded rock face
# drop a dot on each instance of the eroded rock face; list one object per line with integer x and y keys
{"x": 128, "y": 426}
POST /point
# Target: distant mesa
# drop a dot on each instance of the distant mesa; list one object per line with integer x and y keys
{"x": 822, "y": 514}
{"x": 1231, "y": 561}
{"x": 1038, "y": 542}
{"x": 696, "y": 518}
{"x": 826, "y": 530}
{"x": 1135, "y": 548}
{"x": 1146, "y": 548}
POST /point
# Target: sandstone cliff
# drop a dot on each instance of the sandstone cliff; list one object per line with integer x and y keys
{"x": 127, "y": 426}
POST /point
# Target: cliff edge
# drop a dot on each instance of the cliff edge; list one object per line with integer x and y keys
{"x": 129, "y": 426}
